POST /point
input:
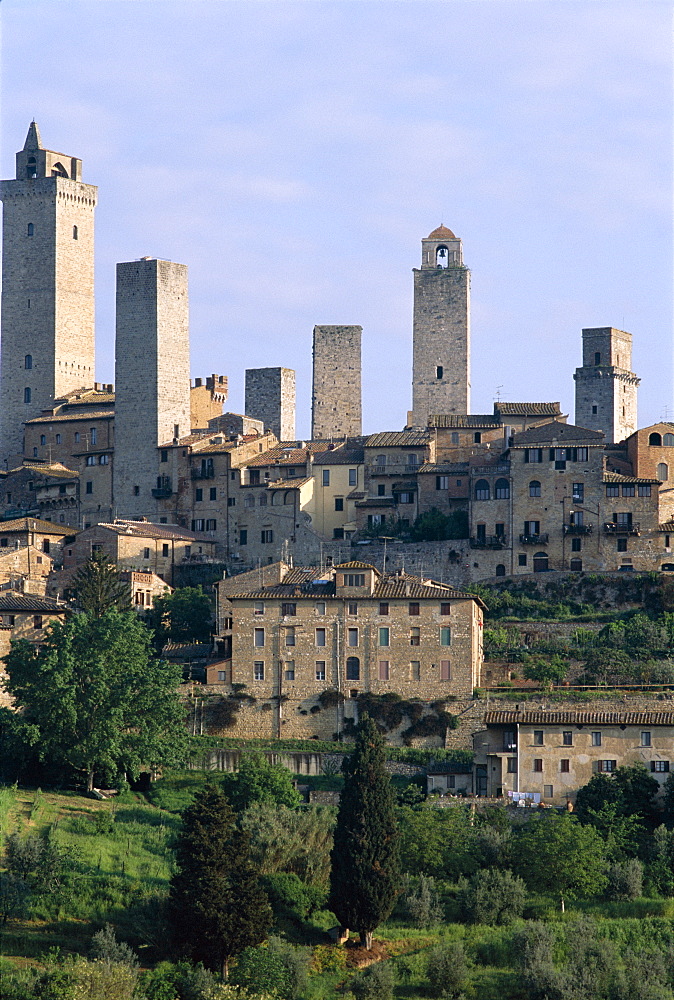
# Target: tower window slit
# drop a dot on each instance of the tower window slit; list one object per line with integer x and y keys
{"x": 438, "y": 371}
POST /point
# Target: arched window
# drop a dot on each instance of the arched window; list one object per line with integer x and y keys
{"x": 576, "y": 565}
{"x": 75, "y": 233}
{"x": 353, "y": 668}
{"x": 540, "y": 562}
{"x": 441, "y": 256}
{"x": 502, "y": 489}
{"x": 534, "y": 488}
{"x": 26, "y": 395}
{"x": 93, "y": 435}
{"x": 482, "y": 490}
{"x": 58, "y": 439}
{"x": 43, "y": 439}
{"x": 58, "y": 170}
{"x": 31, "y": 169}
{"x": 663, "y": 472}
{"x": 654, "y": 439}
{"x": 28, "y": 362}
{"x": 263, "y": 499}
{"x": 668, "y": 440}
{"x": 500, "y": 570}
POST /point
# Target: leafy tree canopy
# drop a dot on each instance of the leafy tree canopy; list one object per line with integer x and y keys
{"x": 555, "y": 854}
{"x": 186, "y": 615}
{"x": 259, "y": 780}
{"x": 435, "y": 526}
{"x": 95, "y": 699}
{"x": 99, "y": 587}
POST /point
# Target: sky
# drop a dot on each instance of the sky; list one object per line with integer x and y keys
{"x": 294, "y": 155}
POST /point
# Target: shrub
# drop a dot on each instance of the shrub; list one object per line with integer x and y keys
{"x": 374, "y": 983}
{"x": 421, "y": 902}
{"x": 625, "y": 880}
{"x": 493, "y": 897}
{"x": 106, "y": 948}
{"x": 447, "y": 970}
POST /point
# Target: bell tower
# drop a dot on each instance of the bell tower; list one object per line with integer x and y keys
{"x": 441, "y": 337}
{"x": 47, "y": 344}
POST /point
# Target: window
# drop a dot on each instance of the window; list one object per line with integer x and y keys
{"x": 198, "y": 495}
{"x": 339, "y": 503}
{"x": 644, "y": 491}
{"x": 383, "y": 607}
{"x": 383, "y": 670}
{"x": 596, "y": 739}
{"x": 660, "y": 766}
{"x": 258, "y": 637}
{"x": 91, "y": 460}
{"x": 288, "y": 608}
{"x": 564, "y": 765}
{"x": 258, "y": 670}
{"x": 415, "y": 670}
{"x": 258, "y": 608}
{"x": 406, "y": 497}
{"x": 77, "y": 437}
{"x": 576, "y": 544}
{"x": 266, "y": 536}
{"x": 384, "y": 636}
{"x": 326, "y": 477}
{"x": 381, "y": 491}
{"x": 89, "y": 487}
{"x": 442, "y": 482}
{"x": 353, "y": 609}
{"x": 662, "y": 471}
{"x": 654, "y": 440}
{"x": 612, "y": 491}
{"x": 532, "y": 527}
{"x": 621, "y": 545}
{"x": 320, "y": 637}
{"x": 534, "y": 488}
{"x": 243, "y": 536}
{"x": 415, "y": 637}
{"x": 445, "y": 636}
{"x": 533, "y": 455}
{"x": 576, "y": 565}
{"x": 163, "y": 455}
{"x": 444, "y": 670}
{"x": 213, "y": 493}
{"x": 538, "y": 737}
{"x": 414, "y": 608}
{"x": 222, "y": 676}
{"x": 75, "y": 233}
{"x": 580, "y": 455}
{"x": 502, "y": 489}
{"x": 628, "y": 491}
{"x": 353, "y": 477}
{"x": 290, "y": 670}
{"x": 606, "y": 766}
{"x": 62, "y": 490}
{"x": 477, "y": 437}
{"x": 354, "y": 579}
{"x": 320, "y": 608}
{"x": 594, "y": 408}
{"x": 455, "y": 437}
{"x": 538, "y": 764}
{"x": 37, "y": 621}
{"x": 290, "y": 636}
{"x": 668, "y": 440}
{"x": 231, "y": 501}
{"x": 482, "y": 490}
{"x": 645, "y": 739}
{"x": 438, "y": 371}
{"x": 320, "y": 670}
{"x": 522, "y": 559}
{"x": 103, "y": 460}
{"x": 353, "y": 668}
{"x": 578, "y": 492}
{"x": 31, "y": 228}
{"x": 547, "y": 791}
{"x": 93, "y": 435}
{"x": 511, "y": 766}
{"x": 165, "y": 550}
{"x": 146, "y": 553}
{"x": 352, "y": 637}
{"x": 28, "y": 362}
{"x": 567, "y": 738}
{"x": 445, "y": 609}
{"x": 26, "y": 395}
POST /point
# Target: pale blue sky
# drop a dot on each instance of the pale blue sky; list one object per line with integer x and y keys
{"x": 295, "y": 154}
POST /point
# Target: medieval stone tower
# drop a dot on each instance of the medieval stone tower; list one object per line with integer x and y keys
{"x": 152, "y": 376}
{"x": 441, "y": 337}
{"x": 270, "y": 397}
{"x": 47, "y": 287}
{"x": 336, "y": 407}
{"x": 606, "y": 386}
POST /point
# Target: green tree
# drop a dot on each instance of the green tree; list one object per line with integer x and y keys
{"x": 557, "y": 855}
{"x": 186, "y": 615}
{"x": 447, "y": 969}
{"x": 434, "y": 526}
{"x": 638, "y": 789}
{"x": 546, "y": 671}
{"x": 94, "y": 698}
{"x": 291, "y": 840}
{"x": 365, "y": 857}
{"x": 259, "y": 780}
{"x": 217, "y": 905}
{"x": 99, "y": 587}
{"x": 493, "y": 897}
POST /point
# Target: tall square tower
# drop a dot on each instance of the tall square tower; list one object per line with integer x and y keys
{"x": 152, "y": 376}
{"x": 270, "y": 397}
{"x": 47, "y": 287}
{"x": 336, "y": 405}
{"x": 606, "y": 386}
{"x": 441, "y": 332}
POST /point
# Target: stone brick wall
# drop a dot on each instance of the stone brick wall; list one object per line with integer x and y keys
{"x": 270, "y": 397}
{"x": 336, "y": 408}
{"x": 606, "y": 387}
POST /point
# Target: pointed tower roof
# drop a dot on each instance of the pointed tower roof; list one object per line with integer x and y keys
{"x": 33, "y": 140}
{"x": 441, "y": 233}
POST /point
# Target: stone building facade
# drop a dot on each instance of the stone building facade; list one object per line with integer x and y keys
{"x": 270, "y": 397}
{"x": 24, "y": 616}
{"x": 441, "y": 332}
{"x": 152, "y": 376}
{"x": 336, "y": 401}
{"x": 606, "y": 386}
{"x": 47, "y": 287}
{"x": 207, "y": 398}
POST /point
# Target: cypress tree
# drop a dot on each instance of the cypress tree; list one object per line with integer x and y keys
{"x": 99, "y": 587}
{"x": 217, "y": 906}
{"x": 365, "y": 858}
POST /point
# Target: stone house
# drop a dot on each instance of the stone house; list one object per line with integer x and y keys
{"x": 339, "y": 482}
{"x": 552, "y": 754}
{"x": 30, "y": 532}
{"x": 50, "y": 492}
{"x": 349, "y": 630}
{"x": 24, "y": 616}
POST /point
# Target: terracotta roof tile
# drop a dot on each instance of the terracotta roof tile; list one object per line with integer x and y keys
{"x": 617, "y": 477}
{"x": 398, "y": 439}
{"x": 465, "y": 420}
{"x": 35, "y": 524}
{"x": 581, "y": 718}
{"x": 555, "y": 432}
{"x": 527, "y": 409}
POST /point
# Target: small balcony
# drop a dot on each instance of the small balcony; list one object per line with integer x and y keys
{"x": 577, "y": 529}
{"x": 618, "y": 528}
{"x": 489, "y": 542}
{"x": 539, "y": 539}
{"x": 163, "y": 488}
{"x": 205, "y": 472}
